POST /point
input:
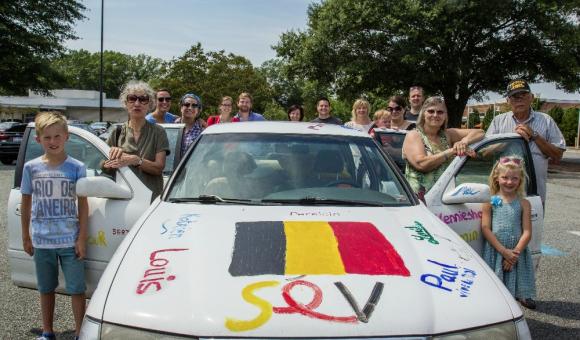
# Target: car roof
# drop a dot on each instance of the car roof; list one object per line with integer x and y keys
{"x": 402, "y": 132}
{"x": 281, "y": 127}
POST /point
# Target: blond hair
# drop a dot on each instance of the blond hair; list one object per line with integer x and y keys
{"x": 359, "y": 103}
{"x": 504, "y": 164}
{"x": 380, "y": 114}
{"x": 246, "y": 95}
{"x": 49, "y": 118}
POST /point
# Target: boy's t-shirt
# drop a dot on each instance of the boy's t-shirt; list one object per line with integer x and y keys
{"x": 54, "y": 215}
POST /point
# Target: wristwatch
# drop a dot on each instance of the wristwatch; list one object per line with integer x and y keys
{"x": 534, "y": 135}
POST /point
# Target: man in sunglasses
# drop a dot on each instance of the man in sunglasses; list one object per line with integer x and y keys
{"x": 540, "y": 130}
{"x": 416, "y": 100}
{"x": 161, "y": 113}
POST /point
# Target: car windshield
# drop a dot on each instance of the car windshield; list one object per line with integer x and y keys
{"x": 279, "y": 169}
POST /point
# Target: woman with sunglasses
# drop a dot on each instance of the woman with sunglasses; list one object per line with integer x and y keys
{"x": 428, "y": 150}
{"x": 190, "y": 105}
{"x": 139, "y": 144}
{"x": 161, "y": 113}
{"x": 396, "y": 108}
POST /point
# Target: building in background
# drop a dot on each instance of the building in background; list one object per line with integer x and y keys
{"x": 78, "y": 105}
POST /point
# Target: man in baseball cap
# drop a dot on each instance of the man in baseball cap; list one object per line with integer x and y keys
{"x": 517, "y": 86}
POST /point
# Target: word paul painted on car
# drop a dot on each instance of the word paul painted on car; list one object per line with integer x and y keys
{"x": 310, "y": 248}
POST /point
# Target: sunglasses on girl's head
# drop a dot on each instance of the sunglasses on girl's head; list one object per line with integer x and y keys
{"x": 396, "y": 108}
{"x": 193, "y": 105}
{"x": 164, "y": 99}
{"x": 432, "y": 111}
{"x": 142, "y": 99}
{"x": 504, "y": 160}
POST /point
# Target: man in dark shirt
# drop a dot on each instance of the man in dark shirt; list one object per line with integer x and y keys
{"x": 323, "y": 110}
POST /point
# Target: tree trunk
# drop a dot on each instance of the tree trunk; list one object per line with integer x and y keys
{"x": 455, "y": 108}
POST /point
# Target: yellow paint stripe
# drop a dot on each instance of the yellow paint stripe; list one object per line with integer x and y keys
{"x": 265, "y": 307}
{"x": 311, "y": 248}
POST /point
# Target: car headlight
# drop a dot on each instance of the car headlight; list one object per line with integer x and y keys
{"x": 507, "y": 330}
{"x": 116, "y": 332}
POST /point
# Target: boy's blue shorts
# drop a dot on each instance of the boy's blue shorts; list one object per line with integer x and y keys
{"x": 46, "y": 261}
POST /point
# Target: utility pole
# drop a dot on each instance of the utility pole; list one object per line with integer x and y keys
{"x": 101, "y": 71}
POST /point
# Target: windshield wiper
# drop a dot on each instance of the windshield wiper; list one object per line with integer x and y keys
{"x": 313, "y": 200}
{"x": 212, "y": 199}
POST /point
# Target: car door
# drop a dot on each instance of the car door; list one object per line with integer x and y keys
{"x": 463, "y": 211}
{"x": 109, "y": 219}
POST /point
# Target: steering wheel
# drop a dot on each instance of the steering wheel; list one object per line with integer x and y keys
{"x": 342, "y": 183}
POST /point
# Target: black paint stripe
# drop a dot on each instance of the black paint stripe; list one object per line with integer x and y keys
{"x": 259, "y": 248}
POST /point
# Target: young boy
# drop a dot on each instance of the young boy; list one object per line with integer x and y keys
{"x": 53, "y": 228}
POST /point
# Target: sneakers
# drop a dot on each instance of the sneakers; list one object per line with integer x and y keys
{"x": 47, "y": 336}
{"x": 528, "y": 303}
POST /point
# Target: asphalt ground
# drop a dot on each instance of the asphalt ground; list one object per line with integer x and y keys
{"x": 558, "y": 279}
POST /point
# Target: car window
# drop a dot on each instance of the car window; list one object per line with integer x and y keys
{"x": 172, "y": 136}
{"x": 477, "y": 170}
{"x": 76, "y": 147}
{"x": 276, "y": 166}
{"x": 392, "y": 143}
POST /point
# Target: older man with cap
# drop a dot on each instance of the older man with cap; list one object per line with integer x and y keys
{"x": 540, "y": 130}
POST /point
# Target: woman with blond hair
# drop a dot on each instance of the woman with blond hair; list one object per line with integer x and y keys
{"x": 360, "y": 119}
{"x": 139, "y": 144}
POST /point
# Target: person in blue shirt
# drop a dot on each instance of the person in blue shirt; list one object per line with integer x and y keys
{"x": 55, "y": 220}
{"x": 161, "y": 113}
{"x": 245, "y": 113}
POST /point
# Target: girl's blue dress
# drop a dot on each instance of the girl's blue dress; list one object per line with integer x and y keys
{"x": 506, "y": 225}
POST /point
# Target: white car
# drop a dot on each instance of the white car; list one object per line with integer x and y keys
{"x": 277, "y": 230}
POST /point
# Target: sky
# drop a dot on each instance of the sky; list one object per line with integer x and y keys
{"x": 168, "y": 28}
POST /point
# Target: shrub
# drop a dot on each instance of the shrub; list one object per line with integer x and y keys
{"x": 556, "y": 113}
{"x": 569, "y": 125}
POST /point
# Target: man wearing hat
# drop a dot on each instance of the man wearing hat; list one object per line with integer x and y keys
{"x": 540, "y": 130}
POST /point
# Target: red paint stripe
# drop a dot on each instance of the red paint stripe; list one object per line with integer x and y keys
{"x": 364, "y": 250}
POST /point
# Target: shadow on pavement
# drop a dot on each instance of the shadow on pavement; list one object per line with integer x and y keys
{"x": 543, "y": 330}
{"x": 562, "y": 309}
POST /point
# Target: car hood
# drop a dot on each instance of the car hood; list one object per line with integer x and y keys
{"x": 228, "y": 270}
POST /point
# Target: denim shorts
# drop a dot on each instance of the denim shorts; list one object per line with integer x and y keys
{"x": 47, "y": 260}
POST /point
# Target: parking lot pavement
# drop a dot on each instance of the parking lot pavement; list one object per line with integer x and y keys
{"x": 558, "y": 279}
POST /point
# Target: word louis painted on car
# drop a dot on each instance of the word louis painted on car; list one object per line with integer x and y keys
{"x": 155, "y": 275}
{"x": 460, "y": 216}
{"x": 176, "y": 229}
{"x": 295, "y": 307}
{"x": 313, "y": 248}
{"x": 422, "y": 233}
{"x": 449, "y": 276}
{"x": 465, "y": 191}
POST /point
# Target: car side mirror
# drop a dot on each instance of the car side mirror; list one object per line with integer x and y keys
{"x": 101, "y": 186}
{"x": 467, "y": 193}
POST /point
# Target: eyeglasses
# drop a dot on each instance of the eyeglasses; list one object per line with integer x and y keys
{"x": 133, "y": 98}
{"x": 505, "y": 160}
{"x": 193, "y": 105}
{"x": 164, "y": 99}
{"x": 432, "y": 111}
{"x": 396, "y": 108}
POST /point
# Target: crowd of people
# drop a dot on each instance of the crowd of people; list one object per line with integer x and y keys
{"x": 142, "y": 145}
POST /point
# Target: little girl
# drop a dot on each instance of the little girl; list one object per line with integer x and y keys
{"x": 507, "y": 227}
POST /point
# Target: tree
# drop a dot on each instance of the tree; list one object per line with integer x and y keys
{"x": 212, "y": 75}
{"x": 487, "y": 118}
{"x": 569, "y": 125}
{"x": 556, "y": 113}
{"x": 473, "y": 119}
{"x": 31, "y": 34}
{"x": 458, "y": 49}
{"x": 80, "y": 70}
